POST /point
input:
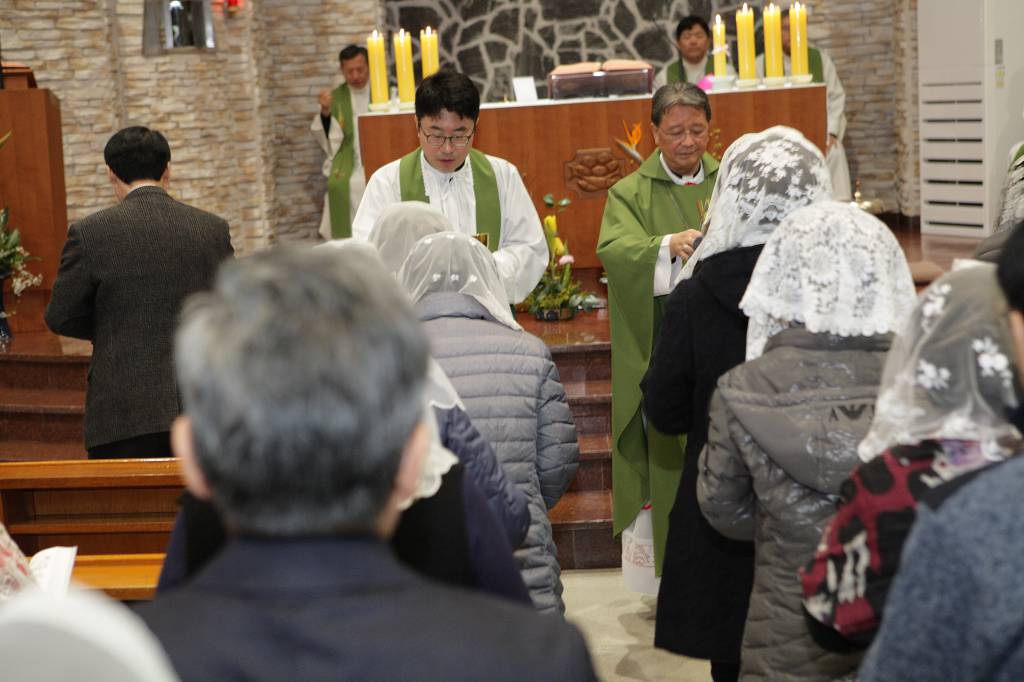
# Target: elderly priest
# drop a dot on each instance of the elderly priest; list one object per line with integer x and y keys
{"x": 651, "y": 221}
{"x": 478, "y": 193}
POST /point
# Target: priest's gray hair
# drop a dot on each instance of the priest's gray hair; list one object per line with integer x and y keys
{"x": 302, "y": 373}
{"x": 678, "y": 95}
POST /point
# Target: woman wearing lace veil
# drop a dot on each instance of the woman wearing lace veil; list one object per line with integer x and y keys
{"x": 942, "y": 414}
{"x": 401, "y": 225}
{"x": 509, "y": 384}
{"x": 830, "y": 287}
{"x": 763, "y": 178}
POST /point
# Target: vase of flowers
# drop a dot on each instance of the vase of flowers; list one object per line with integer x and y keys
{"x": 558, "y": 295}
{"x": 13, "y": 258}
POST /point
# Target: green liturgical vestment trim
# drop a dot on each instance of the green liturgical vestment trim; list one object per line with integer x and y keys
{"x": 338, "y": 197}
{"x": 485, "y": 188}
{"x": 676, "y": 73}
{"x": 640, "y": 211}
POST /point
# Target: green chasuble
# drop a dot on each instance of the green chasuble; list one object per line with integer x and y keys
{"x": 676, "y": 73}
{"x": 338, "y": 197}
{"x": 485, "y": 188}
{"x": 639, "y": 212}
{"x": 1018, "y": 155}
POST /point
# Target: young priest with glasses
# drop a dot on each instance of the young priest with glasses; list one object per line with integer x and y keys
{"x": 478, "y": 193}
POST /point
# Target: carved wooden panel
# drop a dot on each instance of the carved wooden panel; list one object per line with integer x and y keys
{"x": 592, "y": 172}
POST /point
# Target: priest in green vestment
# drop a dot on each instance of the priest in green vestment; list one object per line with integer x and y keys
{"x": 335, "y": 131}
{"x": 651, "y": 220}
{"x": 693, "y": 38}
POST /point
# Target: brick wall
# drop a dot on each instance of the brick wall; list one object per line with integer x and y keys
{"x": 236, "y": 118}
{"x": 908, "y": 172}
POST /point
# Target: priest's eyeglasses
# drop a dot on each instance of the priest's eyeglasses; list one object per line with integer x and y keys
{"x": 458, "y": 141}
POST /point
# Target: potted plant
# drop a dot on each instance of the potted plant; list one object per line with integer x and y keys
{"x": 13, "y": 258}
{"x": 558, "y": 295}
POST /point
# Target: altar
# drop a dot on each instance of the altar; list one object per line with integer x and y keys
{"x": 569, "y": 148}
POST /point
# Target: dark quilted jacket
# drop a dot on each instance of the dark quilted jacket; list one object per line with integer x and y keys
{"x": 783, "y": 436}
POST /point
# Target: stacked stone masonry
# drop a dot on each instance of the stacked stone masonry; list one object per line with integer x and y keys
{"x": 237, "y": 117}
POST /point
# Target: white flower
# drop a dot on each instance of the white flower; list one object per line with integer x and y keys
{"x": 931, "y": 377}
{"x": 455, "y": 277}
{"x": 436, "y": 277}
{"x": 934, "y": 303}
{"x": 991, "y": 361}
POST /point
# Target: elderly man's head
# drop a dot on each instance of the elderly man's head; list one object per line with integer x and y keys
{"x": 681, "y": 124}
{"x": 301, "y": 375}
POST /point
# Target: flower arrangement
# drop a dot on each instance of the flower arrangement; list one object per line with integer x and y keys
{"x": 13, "y": 255}
{"x": 558, "y": 294}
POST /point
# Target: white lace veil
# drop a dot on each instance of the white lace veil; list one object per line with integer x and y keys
{"x": 455, "y": 262}
{"x": 1011, "y": 210}
{"x": 401, "y": 225}
{"x": 832, "y": 268}
{"x": 438, "y": 390}
{"x": 763, "y": 178}
{"x": 951, "y": 373}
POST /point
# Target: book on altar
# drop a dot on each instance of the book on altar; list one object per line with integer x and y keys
{"x": 601, "y": 79}
{"x": 48, "y": 571}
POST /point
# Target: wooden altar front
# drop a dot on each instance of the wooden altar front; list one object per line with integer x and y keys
{"x": 569, "y": 148}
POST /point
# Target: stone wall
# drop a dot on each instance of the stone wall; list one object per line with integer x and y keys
{"x": 908, "y": 169}
{"x": 236, "y": 117}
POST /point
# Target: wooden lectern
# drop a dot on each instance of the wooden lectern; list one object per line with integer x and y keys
{"x": 568, "y": 147}
{"x": 32, "y": 186}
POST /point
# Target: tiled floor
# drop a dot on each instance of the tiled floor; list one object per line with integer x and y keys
{"x": 619, "y": 627}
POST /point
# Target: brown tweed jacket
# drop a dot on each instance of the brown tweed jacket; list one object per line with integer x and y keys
{"x": 124, "y": 274}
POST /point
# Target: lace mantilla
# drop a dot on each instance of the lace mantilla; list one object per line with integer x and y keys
{"x": 832, "y": 268}
{"x": 949, "y": 374}
{"x": 763, "y": 178}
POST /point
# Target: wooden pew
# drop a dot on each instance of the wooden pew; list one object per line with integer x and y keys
{"x": 118, "y": 512}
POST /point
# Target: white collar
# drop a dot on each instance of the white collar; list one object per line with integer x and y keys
{"x": 464, "y": 171}
{"x": 694, "y": 179}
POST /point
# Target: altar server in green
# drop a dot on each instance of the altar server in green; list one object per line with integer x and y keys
{"x": 693, "y": 38}
{"x": 336, "y": 133}
{"x": 478, "y": 193}
{"x": 651, "y": 220}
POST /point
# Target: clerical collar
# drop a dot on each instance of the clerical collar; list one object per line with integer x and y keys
{"x": 694, "y": 179}
{"x": 449, "y": 176}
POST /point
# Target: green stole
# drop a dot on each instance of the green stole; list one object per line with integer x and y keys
{"x": 1018, "y": 155}
{"x": 338, "y": 198}
{"x": 640, "y": 211}
{"x": 485, "y": 187}
{"x": 814, "y": 66}
{"x": 677, "y": 74}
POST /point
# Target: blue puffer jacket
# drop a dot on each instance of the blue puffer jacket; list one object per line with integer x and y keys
{"x": 475, "y": 453}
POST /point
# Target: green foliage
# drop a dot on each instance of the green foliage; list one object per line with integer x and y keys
{"x": 13, "y": 255}
{"x": 557, "y": 288}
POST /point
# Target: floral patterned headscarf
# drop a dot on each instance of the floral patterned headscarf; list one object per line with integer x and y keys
{"x": 951, "y": 375}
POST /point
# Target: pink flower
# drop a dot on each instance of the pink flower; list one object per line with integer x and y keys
{"x": 567, "y": 259}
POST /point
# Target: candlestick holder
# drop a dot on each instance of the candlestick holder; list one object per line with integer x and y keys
{"x": 722, "y": 83}
{"x": 406, "y": 106}
{"x": 802, "y": 79}
{"x": 384, "y": 106}
{"x": 747, "y": 82}
{"x": 775, "y": 81}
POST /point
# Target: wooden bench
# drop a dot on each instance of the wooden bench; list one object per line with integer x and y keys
{"x": 118, "y": 512}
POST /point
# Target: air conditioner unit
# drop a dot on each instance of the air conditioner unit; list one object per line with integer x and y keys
{"x": 971, "y": 109}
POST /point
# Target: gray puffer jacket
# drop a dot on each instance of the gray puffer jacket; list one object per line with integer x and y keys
{"x": 783, "y": 437}
{"x": 511, "y": 390}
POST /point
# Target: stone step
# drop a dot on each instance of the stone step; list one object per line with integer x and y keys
{"x": 582, "y": 525}
{"x": 43, "y": 360}
{"x": 39, "y": 414}
{"x": 591, "y": 404}
{"x": 595, "y": 470}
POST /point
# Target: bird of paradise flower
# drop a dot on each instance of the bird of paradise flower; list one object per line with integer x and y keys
{"x": 633, "y": 137}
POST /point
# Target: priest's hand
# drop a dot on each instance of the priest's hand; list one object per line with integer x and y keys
{"x": 681, "y": 243}
{"x": 325, "y": 102}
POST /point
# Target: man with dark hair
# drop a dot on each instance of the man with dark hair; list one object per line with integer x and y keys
{"x": 478, "y": 193}
{"x": 123, "y": 275}
{"x": 336, "y": 132}
{"x": 651, "y": 221}
{"x": 693, "y": 38}
{"x": 302, "y": 376}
